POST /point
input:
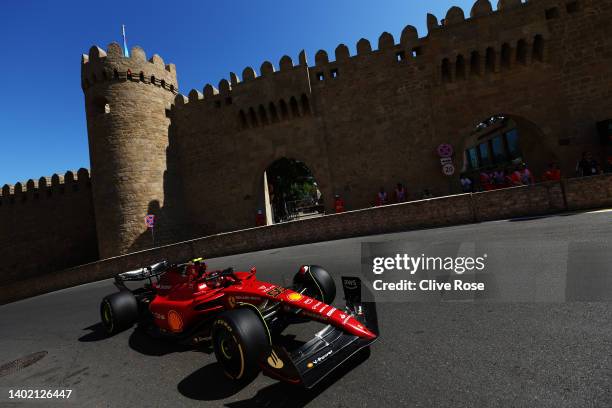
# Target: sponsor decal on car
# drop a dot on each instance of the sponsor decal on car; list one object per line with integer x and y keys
{"x": 175, "y": 321}
{"x": 294, "y": 297}
{"x": 275, "y": 291}
{"x": 275, "y": 361}
{"x": 350, "y": 284}
{"x": 319, "y": 359}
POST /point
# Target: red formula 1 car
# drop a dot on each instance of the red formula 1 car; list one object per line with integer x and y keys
{"x": 242, "y": 316}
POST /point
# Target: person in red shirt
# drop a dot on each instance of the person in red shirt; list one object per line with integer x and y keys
{"x": 485, "y": 181}
{"x": 552, "y": 173}
{"x": 338, "y": 204}
{"x": 516, "y": 178}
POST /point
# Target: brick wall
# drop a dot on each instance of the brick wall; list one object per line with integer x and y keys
{"x": 583, "y": 193}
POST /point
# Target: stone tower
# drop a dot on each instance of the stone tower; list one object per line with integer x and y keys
{"x": 126, "y": 103}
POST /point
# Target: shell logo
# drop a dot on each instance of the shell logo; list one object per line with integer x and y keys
{"x": 294, "y": 297}
{"x": 175, "y": 321}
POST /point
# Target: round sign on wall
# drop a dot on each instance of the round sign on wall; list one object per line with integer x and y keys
{"x": 448, "y": 169}
{"x": 445, "y": 150}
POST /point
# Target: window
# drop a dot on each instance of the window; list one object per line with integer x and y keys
{"x": 283, "y": 110}
{"x": 514, "y": 152}
{"x": 552, "y": 13}
{"x": 153, "y": 79}
{"x": 263, "y": 117}
{"x": 253, "y": 117}
{"x": 506, "y": 56}
{"x": 475, "y": 63}
{"x": 521, "y": 52}
{"x": 243, "y": 120}
{"x": 320, "y": 76}
{"x": 295, "y": 110}
{"x": 400, "y": 56}
{"x": 538, "y": 48}
{"x": 305, "y": 105}
{"x": 273, "y": 113}
{"x": 490, "y": 60}
{"x": 499, "y": 152}
{"x": 446, "y": 70}
{"x": 163, "y": 83}
{"x": 484, "y": 156}
{"x": 572, "y": 7}
{"x": 460, "y": 67}
{"x": 472, "y": 158}
{"x": 416, "y": 51}
{"x": 334, "y": 73}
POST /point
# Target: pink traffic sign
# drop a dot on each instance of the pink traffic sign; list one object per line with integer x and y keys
{"x": 445, "y": 150}
{"x": 150, "y": 220}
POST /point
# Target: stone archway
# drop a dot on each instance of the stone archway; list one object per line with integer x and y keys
{"x": 288, "y": 189}
{"x": 509, "y": 140}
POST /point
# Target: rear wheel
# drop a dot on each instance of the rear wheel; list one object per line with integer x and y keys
{"x": 316, "y": 282}
{"x": 239, "y": 339}
{"x": 118, "y": 311}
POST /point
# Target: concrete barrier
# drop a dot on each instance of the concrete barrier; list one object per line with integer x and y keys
{"x": 545, "y": 198}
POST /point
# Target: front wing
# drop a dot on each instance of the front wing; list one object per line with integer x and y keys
{"x": 326, "y": 351}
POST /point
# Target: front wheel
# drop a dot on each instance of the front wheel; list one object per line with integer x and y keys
{"x": 239, "y": 339}
{"x": 316, "y": 282}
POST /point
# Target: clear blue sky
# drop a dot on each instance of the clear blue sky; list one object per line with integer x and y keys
{"x": 42, "y": 118}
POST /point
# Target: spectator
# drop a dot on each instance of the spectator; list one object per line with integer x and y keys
{"x": 552, "y": 173}
{"x": 338, "y": 204}
{"x": 466, "y": 183}
{"x": 260, "y": 218}
{"x": 514, "y": 177}
{"x": 381, "y": 197}
{"x": 485, "y": 181}
{"x": 400, "y": 193}
{"x": 526, "y": 176}
{"x": 499, "y": 178}
{"x": 587, "y": 166}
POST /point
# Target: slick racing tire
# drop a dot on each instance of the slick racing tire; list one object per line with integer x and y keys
{"x": 118, "y": 311}
{"x": 240, "y": 339}
{"x": 317, "y": 282}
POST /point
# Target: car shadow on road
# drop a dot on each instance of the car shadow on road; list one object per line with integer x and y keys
{"x": 144, "y": 343}
{"x": 285, "y": 395}
{"x": 219, "y": 387}
{"x": 96, "y": 333}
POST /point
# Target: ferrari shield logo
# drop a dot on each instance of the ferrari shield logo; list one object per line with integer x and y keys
{"x": 274, "y": 361}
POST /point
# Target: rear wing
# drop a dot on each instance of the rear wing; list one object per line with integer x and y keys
{"x": 141, "y": 274}
{"x": 328, "y": 349}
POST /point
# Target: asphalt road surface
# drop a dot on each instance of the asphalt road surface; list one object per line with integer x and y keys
{"x": 550, "y": 348}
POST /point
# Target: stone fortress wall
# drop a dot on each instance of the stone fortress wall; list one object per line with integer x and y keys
{"x": 357, "y": 121}
{"x": 46, "y": 225}
{"x": 375, "y": 118}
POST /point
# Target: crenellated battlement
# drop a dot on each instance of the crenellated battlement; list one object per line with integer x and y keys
{"x": 111, "y": 65}
{"x": 509, "y": 28}
{"x": 57, "y": 184}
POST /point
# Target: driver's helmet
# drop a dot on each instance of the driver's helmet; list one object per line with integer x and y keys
{"x": 196, "y": 267}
